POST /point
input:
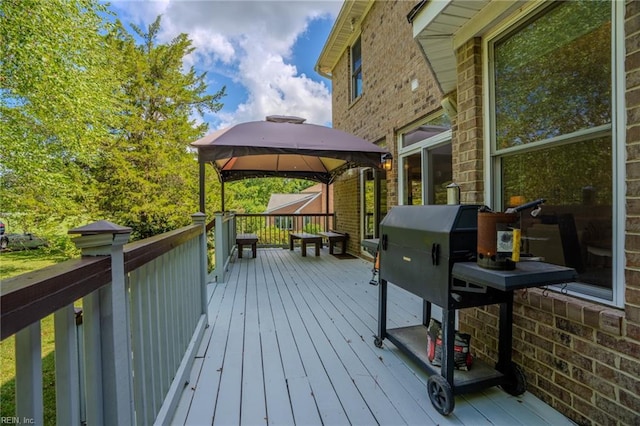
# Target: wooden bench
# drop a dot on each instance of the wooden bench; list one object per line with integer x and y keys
{"x": 305, "y": 239}
{"x": 335, "y": 238}
{"x": 245, "y": 240}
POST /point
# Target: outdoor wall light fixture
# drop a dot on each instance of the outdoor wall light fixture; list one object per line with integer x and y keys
{"x": 387, "y": 161}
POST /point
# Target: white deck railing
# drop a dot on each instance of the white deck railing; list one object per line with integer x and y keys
{"x": 144, "y": 314}
{"x": 225, "y": 240}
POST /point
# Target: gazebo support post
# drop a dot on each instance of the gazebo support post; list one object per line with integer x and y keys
{"x": 202, "y": 172}
{"x": 326, "y": 202}
{"x": 222, "y": 196}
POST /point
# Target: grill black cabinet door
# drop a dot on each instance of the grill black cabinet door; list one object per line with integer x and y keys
{"x": 419, "y": 245}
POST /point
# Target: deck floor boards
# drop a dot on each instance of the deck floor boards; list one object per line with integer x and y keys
{"x": 290, "y": 341}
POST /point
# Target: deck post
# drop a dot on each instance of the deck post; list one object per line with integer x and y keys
{"x": 220, "y": 246}
{"x": 108, "y": 355}
{"x": 201, "y": 219}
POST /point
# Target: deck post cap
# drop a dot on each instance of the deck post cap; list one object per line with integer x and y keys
{"x": 101, "y": 227}
{"x": 99, "y": 238}
{"x": 198, "y": 218}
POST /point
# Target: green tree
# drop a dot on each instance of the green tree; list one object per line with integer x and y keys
{"x": 148, "y": 177}
{"x": 56, "y": 98}
{"x": 252, "y": 195}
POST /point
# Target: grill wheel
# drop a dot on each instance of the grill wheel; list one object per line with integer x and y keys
{"x": 441, "y": 394}
{"x": 516, "y": 381}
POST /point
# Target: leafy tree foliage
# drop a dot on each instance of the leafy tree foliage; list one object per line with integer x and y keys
{"x": 252, "y": 195}
{"x": 96, "y": 123}
{"x": 56, "y": 96}
{"x": 148, "y": 178}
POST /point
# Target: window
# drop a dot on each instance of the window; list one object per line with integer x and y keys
{"x": 552, "y": 136}
{"x": 440, "y": 172}
{"x": 284, "y": 222}
{"x": 356, "y": 70}
{"x": 374, "y": 203}
{"x": 412, "y": 179}
{"x": 426, "y": 162}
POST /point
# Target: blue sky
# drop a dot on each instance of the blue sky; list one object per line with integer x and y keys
{"x": 263, "y": 51}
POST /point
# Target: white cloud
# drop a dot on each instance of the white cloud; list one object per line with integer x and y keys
{"x": 275, "y": 88}
{"x": 211, "y": 47}
{"x": 250, "y": 42}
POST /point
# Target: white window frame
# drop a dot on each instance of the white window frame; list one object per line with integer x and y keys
{"x": 617, "y": 129}
{"x": 363, "y": 201}
{"x": 423, "y": 148}
{"x": 354, "y": 84}
{"x": 288, "y": 222}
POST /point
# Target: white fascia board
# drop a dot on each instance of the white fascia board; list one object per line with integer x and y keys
{"x": 316, "y": 195}
{"x": 428, "y": 14}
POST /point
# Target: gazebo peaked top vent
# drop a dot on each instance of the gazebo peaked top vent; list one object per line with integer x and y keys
{"x": 285, "y": 119}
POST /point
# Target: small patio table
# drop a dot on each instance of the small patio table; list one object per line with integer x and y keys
{"x": 334, "y": 238}
{"x": 247, "y": 239}
{"x": 305, "y": 239}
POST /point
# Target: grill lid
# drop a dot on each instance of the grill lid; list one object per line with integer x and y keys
{"x": 432, "y": 218}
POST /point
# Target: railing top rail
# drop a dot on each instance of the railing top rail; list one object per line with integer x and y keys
{"x": 140, "y": 252}
{"x": 283, "y": 214}
{"x": 32, "y": 296}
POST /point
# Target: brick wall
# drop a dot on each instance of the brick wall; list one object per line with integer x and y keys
{"x": 582, "y": 358}
{"x": 632, "y": 240}
{"x": 391, "y": 60}
{"x": 576, "y": 355}
{"x": 467, "y": 140}
{"x": 346, "y": 196}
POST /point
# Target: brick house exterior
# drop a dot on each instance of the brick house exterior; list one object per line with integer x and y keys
{"x": 387, "y": 103}
{"x": 580, "y": 355}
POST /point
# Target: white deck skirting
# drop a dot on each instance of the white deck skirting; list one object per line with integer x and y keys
{"x": 290, "y": 341}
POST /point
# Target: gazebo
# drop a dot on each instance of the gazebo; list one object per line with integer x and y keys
{"x": 283, "y": 146}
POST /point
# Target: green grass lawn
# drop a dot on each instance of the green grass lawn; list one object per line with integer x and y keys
{"x": 12, "y": 264}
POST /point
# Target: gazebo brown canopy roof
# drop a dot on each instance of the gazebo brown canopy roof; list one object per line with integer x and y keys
{"x": 283, "y": 146}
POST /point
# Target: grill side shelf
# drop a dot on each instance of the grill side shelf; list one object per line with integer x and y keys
{"x": 526, "y": 274}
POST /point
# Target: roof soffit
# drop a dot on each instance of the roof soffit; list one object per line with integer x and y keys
{"x": 440, "y": 27}
{"x": 344, "y": 31}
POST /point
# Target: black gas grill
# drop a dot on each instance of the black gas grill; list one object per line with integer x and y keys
{"x": 420, "y": 244}
{"x": 430, "y": 251}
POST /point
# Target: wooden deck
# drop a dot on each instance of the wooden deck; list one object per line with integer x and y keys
{"x": 291, "y": 342}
